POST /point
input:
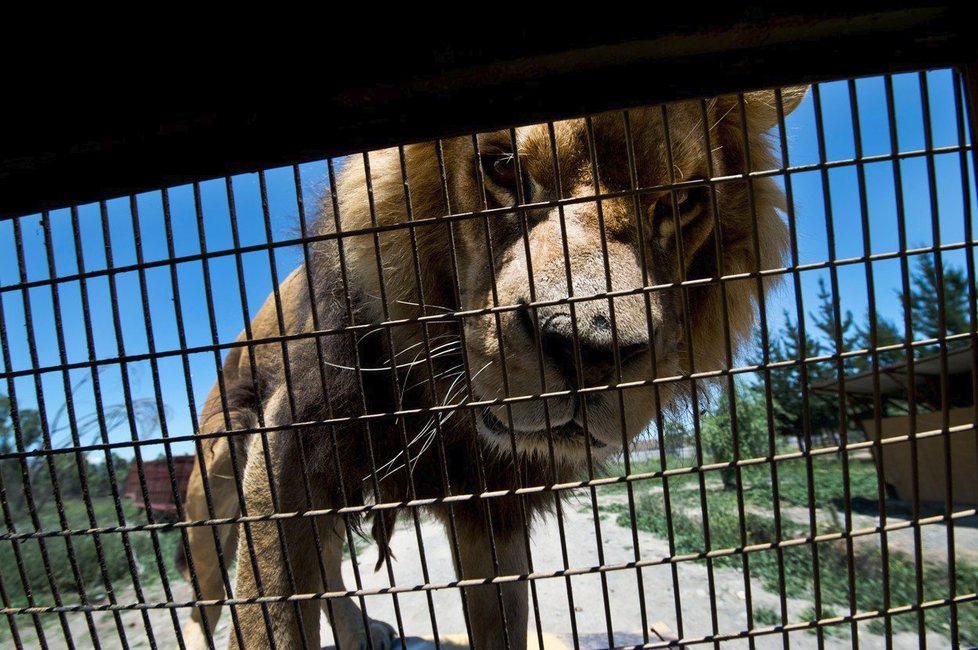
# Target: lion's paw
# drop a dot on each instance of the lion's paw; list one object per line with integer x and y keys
{"x": 382, "y": 637}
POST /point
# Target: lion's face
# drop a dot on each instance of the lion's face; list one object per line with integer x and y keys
{"x": 546, "y": 271}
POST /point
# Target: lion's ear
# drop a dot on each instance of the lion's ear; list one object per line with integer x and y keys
{"x": 762, "y": 107}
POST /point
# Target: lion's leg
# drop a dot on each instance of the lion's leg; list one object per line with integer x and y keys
{"x": 346, "y": 616}
{"x": 206, "y": 564}
{"x": 292, "y": 624}
{"x": 476, "y": 557}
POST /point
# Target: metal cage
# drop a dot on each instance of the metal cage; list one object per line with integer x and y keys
{"x": 714, "y": 347}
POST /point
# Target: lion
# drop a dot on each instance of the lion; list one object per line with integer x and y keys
{"x": 477, "y": 314}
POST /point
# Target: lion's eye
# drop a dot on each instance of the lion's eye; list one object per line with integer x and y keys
{"x": 500, "y": 168}
{"x": 683, "y": 200}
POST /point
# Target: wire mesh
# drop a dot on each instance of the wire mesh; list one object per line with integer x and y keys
{"x": 716, "y": 356}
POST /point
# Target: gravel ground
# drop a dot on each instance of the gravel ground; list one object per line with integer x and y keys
{"x": 601, "y": 602}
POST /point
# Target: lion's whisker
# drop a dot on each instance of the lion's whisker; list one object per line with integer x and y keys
{"x": 368, "y": 333}
{"x": 415, "y": 304}
{"x": 424, "y": 447}
{"x": 720, "y": 119}
{"x": 440, "y": 375}
{"x": 427, "y": 322}
{"x": 430, "y": 429}
{"x": 433, "y": 338}
{"x": 451, "y": 350}
{"x": 399, "y": 366}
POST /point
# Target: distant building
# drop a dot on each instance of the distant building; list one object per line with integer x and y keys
{"x": 921, "y": 415}
{"x": 159, "y": 486}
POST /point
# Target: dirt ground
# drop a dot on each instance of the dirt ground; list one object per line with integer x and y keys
{"x": 601, "y": 602}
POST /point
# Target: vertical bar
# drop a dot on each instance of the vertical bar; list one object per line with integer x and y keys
{"x": 633, "y": 183}
{"x": 348, "y": 298}
{"x": 385, "y": 308}
{"x": 27, "y": 471}
{"x": 874, "y": 359}
{"x": 80, "y": 460}
{"x": 480, "y": 464}
{"x": 130, "y": 417}
{"x": 5, "y": 597}
{"x": 686, "y": 312}
{"x": 7, "y": 513}
{"x": 192, "y": 408}
{"x": 660, "y": 425}
{"x": 525, "y": 233}
{"x": 728, "y": 351}
{"x": 942, "y": 326}
{"x": 262, "y": 434}
{"x": 437, "y": 419}
{"x": 558, "y": 508}
{"x": 235, "y": 467}
{"x": 840, "y": 364}
{"x": 964, "y": 109}
{"x": 323, "y": 383}
{"x": 99, "y": 412}
{"x": 168, "y": 454}
{"x": 596, "y": 188}
{"x": 287, "y": 376}
{"x": 911, "y": 375}
{"x": 802, "y": 353}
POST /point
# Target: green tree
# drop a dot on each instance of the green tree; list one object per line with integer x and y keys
{"x": 887, "y": 333}
{"x": 27, "y": 419}
{"x": 70, "y": 471}
{"x": 839, "y": 334}
{"x": 925, "y": 304}
{"x": 676, "y": 436}
{"x": 752, "y": 434}
{"x": 791, "y": 385}
{"x": 27, "y": 431}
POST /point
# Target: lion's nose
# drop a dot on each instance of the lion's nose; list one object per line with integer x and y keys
{"x": 583, "y": 351}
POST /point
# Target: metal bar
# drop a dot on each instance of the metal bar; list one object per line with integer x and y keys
{"x": 459, "y": 498}
{"x": 840, "y": 366}
{"x": 908, "y": 336}
{"x": 874, "y": 360}
{"x": 403, "y": 321}
{"x": 605, "y": 568}
{"x": 263, "y": 441}
{"x": 198, "y": 446}
{"x": 345, "y": 495}
{"x": 440, "y": 317}
{"x": 593, "y": 156}
{"x": 943, "y": 326}
{"x": 749, "y": 164}
{"x": 711, "y": 374}
{"x": 225, "y": 412}
{"x": 481, "y": 214}
{"x": 154, "y": 369}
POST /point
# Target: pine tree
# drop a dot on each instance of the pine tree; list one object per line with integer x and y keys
{"x": 788, "y": 388}
{"x": 840, "y": 335}
{"x": 887, "y": 333}
{"x": 925, "y": 303}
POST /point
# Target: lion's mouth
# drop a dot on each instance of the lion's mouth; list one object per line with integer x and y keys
{"x": 567, "y": 432}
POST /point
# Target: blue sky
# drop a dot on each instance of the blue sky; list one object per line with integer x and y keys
{"x": 809, "y": 203}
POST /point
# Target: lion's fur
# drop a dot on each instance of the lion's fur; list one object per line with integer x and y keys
{"x": 441, "y": 267}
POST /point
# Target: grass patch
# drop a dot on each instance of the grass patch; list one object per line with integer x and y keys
{"x": 102, "y": 563}
{"x": 792, "y": 570}
{"x": 767, "y": 617}
{"x": 810, "y": 614}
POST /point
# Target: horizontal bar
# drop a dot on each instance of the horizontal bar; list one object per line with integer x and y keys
{"x": 495, "y": 494}
{"x": 542, "y": 575}
{"x": 463, "y": 216}
{"x": 469, "y": 313}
